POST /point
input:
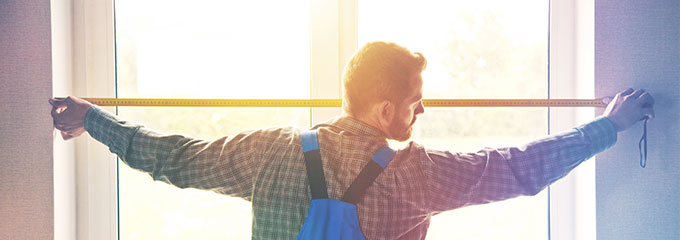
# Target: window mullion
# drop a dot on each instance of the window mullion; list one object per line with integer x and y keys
{"x": 349, "y": 24}
{"x": 324, "y": 56}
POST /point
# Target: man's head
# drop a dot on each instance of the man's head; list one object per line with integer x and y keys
{"x": 382, "y": 87}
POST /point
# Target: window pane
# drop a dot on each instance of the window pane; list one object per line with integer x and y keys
{"x": 204, "y": 49}
{"x": 475, "y": 49}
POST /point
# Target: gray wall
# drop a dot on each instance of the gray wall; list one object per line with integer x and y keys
{"x": 637, "y": 44}
{"x": 26, "y": 185}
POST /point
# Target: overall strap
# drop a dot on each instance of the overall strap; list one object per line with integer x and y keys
{"x": 367, "y": 175}
{"x": 317, "y": 180}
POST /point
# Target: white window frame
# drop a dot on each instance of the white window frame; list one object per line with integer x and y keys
{"x": 94, "y": 76}
{"x": 572, "y": 199}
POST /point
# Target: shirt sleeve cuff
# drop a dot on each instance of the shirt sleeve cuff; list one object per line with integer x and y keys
{"x": 109, "y": 130}
{"x": 601, "y": 133}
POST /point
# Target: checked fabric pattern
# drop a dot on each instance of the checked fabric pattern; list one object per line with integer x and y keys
{"x": 267, "y": 167}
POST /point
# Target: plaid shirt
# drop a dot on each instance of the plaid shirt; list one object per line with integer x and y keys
{"x": 267, "y": 167}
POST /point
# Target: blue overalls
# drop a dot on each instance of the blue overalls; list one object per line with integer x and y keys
{"x": 329, "y": 218}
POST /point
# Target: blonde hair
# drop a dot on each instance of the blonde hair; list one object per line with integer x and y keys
{"x": 378, "y": 71}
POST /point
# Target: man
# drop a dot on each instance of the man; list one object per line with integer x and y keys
{"x": 382, "y": 99}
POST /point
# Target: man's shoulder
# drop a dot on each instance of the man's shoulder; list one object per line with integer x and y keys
{"x": 280, "y": 131}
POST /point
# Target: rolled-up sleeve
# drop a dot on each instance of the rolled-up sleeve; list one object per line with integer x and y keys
{"x": 224, "y": 165}
{"x": 493, "y": 174}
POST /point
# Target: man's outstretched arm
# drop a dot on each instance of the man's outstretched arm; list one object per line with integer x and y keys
{"x": 460, "y": 179}
{"x": 223, "y": 165}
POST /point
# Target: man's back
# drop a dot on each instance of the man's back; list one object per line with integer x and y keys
{"x": 393, "y": 207}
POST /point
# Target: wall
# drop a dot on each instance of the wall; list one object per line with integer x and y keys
{"x": 637, "y": 44}
{"x": 26, "y": 185}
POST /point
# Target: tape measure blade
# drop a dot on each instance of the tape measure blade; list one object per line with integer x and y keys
{"x": 338, "y": 102}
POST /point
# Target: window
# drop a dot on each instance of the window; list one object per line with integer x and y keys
{"x": 303, "y": 45}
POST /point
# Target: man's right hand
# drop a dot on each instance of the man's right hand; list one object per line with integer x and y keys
{"x": 629, "y": 107}
{"x": 69, "y": 116}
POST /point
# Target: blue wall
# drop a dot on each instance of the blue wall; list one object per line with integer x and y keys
{"x": 637, "y": 44}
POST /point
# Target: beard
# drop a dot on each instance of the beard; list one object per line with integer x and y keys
{"x": 399, "y": 131}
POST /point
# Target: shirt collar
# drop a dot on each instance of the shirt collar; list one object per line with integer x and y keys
{"x": 354, "y": 126}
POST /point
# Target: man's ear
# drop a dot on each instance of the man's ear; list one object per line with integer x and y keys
{"x": 386, "y": 112}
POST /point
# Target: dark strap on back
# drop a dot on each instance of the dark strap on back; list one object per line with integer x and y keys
{"x": 317, "y": 180}
{"x": 367, "y": 175}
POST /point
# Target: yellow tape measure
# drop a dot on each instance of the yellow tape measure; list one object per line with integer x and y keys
{"x": 174, "y": 102}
